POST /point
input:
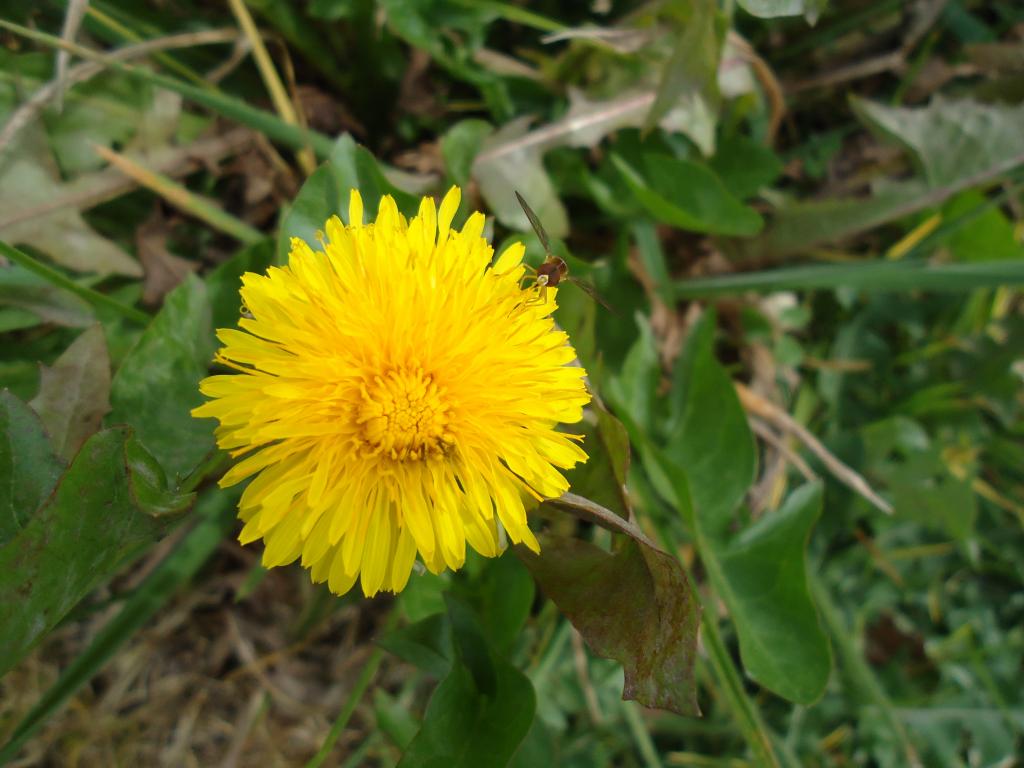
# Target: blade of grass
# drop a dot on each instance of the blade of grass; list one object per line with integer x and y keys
{"x": 29, "y": 109}
{"x": 365, "y": 678}
{"x": 278, "y": 94}
{"x": 644, "y": 743}
{"x": 857, "y": 670}
{"x": 95, "y": 298}
{"x": 871, "y": 276}
{"x": 181, "y": 197}
{"x": 267, "y": 123}
{"x": 518, "y": 15}
{"x": 126, "y": 34}
{"x": 215, "y": 516}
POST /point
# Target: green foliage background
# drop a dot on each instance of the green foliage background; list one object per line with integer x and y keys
{"x": 808, "y": 220}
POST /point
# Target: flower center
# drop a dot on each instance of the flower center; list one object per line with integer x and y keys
{"x": 404, "y": 415}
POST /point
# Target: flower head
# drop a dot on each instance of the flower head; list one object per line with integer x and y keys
{"x": 396, "y": 394}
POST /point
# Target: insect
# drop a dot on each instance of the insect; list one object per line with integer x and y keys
{"x": 554, "y": 269}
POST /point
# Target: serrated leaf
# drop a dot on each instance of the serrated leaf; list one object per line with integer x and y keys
{"x": 511, "y": 159}
{"x": 29, "y": 178}
{"x": 901, "y": 453}
{"x": 951, "y": 139}
{"x": 157, "y": 384}
{"x": 687, "y": 195}
{"x": 509, "y": 162}
{"x": 89, "y": 526}
{"x": 28, "y": 467}
{"x": 691, "y": 73}
{"x": 74, "y": 394}
{"x": 635, "y": 606}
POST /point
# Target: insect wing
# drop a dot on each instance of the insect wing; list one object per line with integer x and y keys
{"x": 535, "y": 223}
{"x": 588, "y": 289}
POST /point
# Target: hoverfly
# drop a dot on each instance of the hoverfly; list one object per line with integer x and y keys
{"x": 554, "y": 269}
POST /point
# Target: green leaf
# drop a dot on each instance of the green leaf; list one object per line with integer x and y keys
{"x": 987, "y": 237}
{"x": 782, "y": 642}
{"x": 708, "y": 433}
{"x": 355, "y": 167}
{"x": 505, "y": 598}
{"x": 157, "y": 385}
{"x": 27, "y": 291}
{"x": 464, "y": 728}
{"x": 107, "y": 110}
{"x": 74, "y": 394}
{"x": 326, "y": 194}
{"x": 705, "y": 470}
{"x": 426, "y": 644}
{"x": 29, "y": 178}
{"x": 745, "y": 166}
{"x": 922, "y": 487}
{"x": 652, "y": 256}
{"x": 91, "y": 524}
{"x": 951, "y": 140}
{"x": 602, "y": 479}
{"x": 511, "y": 159}
{"x": 317, "y": 201}
{"x": 224, "y": 282}
{"x": 460, "y": 146}
{"x": 148, "y": 484}
{"x": 28, "y": 467}
{"x": 508, "y": 162}
{"x": 635, "y": 606}
{"x": 216, "y": 515}
{"x": 687, "y": 195}
{"x": 799, "y": 226}
{"x": 691, "y": 73}
{"x": 424, "y": 595}
{"x": 471, "y": 646}
{"x": 633, "y": 390}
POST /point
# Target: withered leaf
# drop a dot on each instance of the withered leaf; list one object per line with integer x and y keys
{"x": 634, "y": 605}
{"x": 74, "y": 393}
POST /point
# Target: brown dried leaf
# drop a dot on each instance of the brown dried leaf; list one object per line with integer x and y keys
{"x": 633, "y": 605}
{"x": 163, "y": 271}
{"x": 74, "y": 394}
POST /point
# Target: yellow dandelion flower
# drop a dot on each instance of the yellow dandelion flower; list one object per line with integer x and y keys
{"x": 396, "y": 394}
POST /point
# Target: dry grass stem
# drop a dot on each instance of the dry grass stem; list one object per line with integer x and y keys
{"x": 31, "y": 108}
{"x": 756, "y": 405}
